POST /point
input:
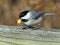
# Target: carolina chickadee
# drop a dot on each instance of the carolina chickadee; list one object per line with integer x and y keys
{"x": 32, "y": 17}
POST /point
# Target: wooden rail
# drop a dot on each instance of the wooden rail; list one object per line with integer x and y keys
{"x": 15, "y": 35}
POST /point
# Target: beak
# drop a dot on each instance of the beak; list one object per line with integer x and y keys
{"x": 19, "y": 21}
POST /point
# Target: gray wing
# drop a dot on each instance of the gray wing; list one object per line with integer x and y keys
{"x": 33, "y": 12}
{"x": 37, "y": 15}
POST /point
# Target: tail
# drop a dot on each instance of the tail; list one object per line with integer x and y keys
{"x": 49, "y": 13}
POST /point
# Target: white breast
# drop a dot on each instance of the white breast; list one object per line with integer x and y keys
{"x": 33, "y": 22}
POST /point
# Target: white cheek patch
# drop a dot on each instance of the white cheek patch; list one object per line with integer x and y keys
{"x": 27, "y": 16}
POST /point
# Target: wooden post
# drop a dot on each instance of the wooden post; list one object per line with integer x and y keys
{"x": 14, "y": 35}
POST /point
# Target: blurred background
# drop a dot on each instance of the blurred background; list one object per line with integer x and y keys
{"x": 10, "y": 9}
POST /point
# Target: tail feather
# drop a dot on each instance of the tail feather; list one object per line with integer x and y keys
{"x": 50, "y": 13}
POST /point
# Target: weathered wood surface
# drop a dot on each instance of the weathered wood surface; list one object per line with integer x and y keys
{"x": 15, "y": 35}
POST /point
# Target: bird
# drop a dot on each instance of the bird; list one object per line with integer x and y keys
{"x": 33, "y": 17}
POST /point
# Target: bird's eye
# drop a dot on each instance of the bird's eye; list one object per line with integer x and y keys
{"x": 24, "y": 20}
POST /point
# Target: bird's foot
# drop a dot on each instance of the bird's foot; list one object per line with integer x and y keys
{"x": 30, "y": 27}
{"x": 27, "y": 27}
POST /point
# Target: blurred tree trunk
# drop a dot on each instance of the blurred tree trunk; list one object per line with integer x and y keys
{"x": 50, "y": 7}
{"x": 57, "y": 19}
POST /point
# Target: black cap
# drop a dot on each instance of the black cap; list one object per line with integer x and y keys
{"x": 22, "y": 14}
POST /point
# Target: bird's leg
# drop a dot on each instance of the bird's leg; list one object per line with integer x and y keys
{"x": 36, "y": 27}
{"x": 32, "y": 27}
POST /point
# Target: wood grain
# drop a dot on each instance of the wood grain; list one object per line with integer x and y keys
{"x": 15, "y": 35}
